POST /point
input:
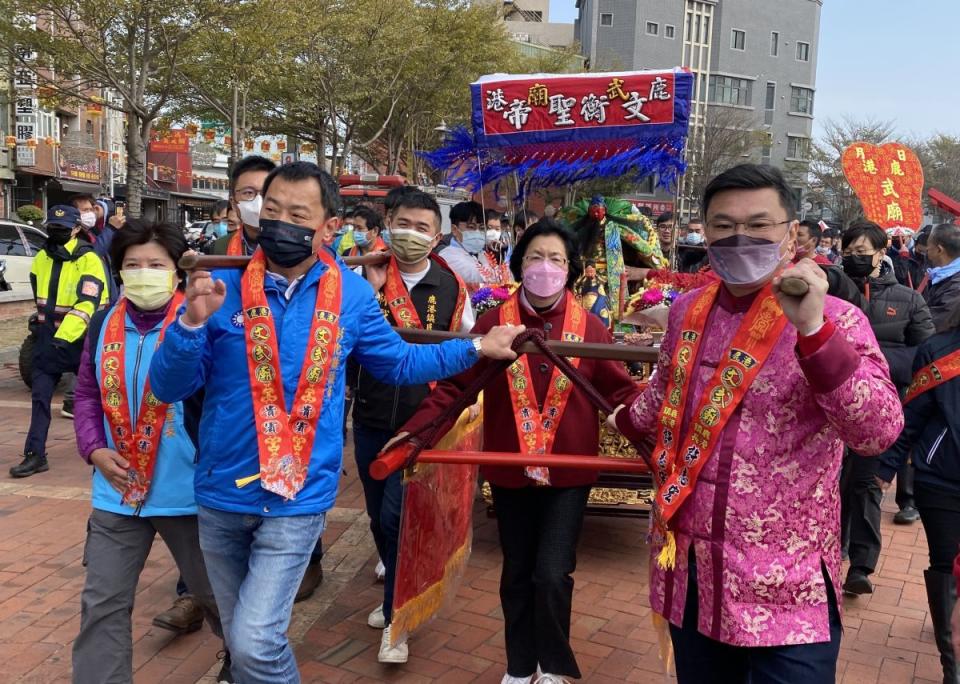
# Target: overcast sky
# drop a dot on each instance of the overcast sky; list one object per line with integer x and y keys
{"x": 899, "y": 61}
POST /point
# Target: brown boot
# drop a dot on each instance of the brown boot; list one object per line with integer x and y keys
{"x": 312, "y": 579}
{"x": 183, "y": 617}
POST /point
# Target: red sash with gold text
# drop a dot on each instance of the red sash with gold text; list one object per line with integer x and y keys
{"x": 536, "y": 430}
{"x": 235, "y": 243}
{"x": 137, "y": 444}
{"x": 285, "y": 440}
{"x": 400, "y": 302}
{"x": 934, "y": 374}
{"x": 678, "y": 464}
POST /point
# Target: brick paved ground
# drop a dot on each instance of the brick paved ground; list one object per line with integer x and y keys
{"x": 888, "y": 636}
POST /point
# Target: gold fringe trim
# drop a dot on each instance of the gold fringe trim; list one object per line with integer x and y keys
{"x": 664, "y": 642}
{"x": 424, "y": 606}
{"x": 667, "y": 558}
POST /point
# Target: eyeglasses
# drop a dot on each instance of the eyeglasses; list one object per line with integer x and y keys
{"x": 859, "y": 253}
{"x": 554, "y": 259}
{"x": 749, "y": 227}
{"x": 246, "y": 194}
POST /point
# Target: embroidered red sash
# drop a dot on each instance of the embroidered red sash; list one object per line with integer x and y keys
{"x": 137, "y": 444}
{"x": 934, "y": 374}
{"x": 678, "y": 468}
{"x": 285, "y": 440}
{"x": 400, "y": 303}
{"x": 235, "y": 243}
{"x": 536, "y": 430}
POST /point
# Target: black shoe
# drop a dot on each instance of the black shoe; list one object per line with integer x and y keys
{"x": 66, "y": 409}
{"x": 906, "y": 516}
{"x": 312, "y": 579}
{"x": 225, "y": 676}
{"x": 857, "y": 583}
{"x": 30, "y": 465}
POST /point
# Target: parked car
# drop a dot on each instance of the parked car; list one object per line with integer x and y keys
{"x": 19, "y": 243}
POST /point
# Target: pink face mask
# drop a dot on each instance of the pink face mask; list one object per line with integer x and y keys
{"x": 544, "y": 279}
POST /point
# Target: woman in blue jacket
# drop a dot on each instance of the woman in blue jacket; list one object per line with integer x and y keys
{"x": 142, "y": 455}
{"x": 931, "y": 433}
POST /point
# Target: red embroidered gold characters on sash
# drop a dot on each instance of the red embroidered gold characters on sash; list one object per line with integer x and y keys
{"x": 137, "y": 444}
{"x": 934, "y": 374}
{"x": 678, "y": 464}
{"x": 536, "y": 430}
{"x": 285, "y": 441}
{"x": 400, "y": 303}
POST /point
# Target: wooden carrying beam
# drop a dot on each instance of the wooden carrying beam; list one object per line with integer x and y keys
{"x": 393, "y": 460}
{"x": 583, "y": 350}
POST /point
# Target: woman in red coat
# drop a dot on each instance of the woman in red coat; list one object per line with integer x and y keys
{"x": 532, "y": 408}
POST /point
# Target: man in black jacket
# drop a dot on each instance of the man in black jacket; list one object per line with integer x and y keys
{"x": 943, "y": 255}
{"x": 416, "y": 289}
{"x": 901, "y": 321}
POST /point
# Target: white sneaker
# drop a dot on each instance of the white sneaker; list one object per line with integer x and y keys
{"x": 375, "y": 619}
{"x": 547, "y": 678}
{"x": 381, "y": 571}
{"x": 510, "y": 679}
{"x": 392, "y": 654}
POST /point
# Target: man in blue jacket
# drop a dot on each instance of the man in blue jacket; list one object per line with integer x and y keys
{"x": 269, "y": 345}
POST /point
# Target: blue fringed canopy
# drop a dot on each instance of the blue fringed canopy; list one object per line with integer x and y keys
{"x": 557, "y": 129}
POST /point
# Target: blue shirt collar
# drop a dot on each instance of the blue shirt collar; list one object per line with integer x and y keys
{"x": 940, "y": 273}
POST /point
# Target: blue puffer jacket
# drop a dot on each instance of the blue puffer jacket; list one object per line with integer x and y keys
{"x": 214, "y": 357}
{"x": 171, "y": 491}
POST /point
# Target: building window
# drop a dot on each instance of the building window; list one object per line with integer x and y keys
{"x": 801, "y": 100}
{"x": 738, "y": 39}
{"x": 606, "y": 19}
{"x": 669, "y": 31}
{"x": 729, "y": 90}
{"x": 770, "y": 103}
{"x": 798, "y": 147}
{"x": 653, "y": 28}
{"x": 774, "y": 43}
{"x": 803, "y": 51}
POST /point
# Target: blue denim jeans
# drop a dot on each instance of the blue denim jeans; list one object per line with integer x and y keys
{"x": 255, "y": 566}
{"x": 384, "y": 499}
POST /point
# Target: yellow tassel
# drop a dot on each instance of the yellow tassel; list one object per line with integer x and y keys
{"x": 664, "y": 642}
{"x": 667, "y": 558}
{"x": 244, "y": 481}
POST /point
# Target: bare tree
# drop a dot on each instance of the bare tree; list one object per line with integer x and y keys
{"x": 829, "y": 188}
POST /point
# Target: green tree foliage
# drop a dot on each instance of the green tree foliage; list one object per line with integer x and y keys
{"x": 133, "y": 47}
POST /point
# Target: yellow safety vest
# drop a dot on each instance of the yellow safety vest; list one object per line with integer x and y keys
{"x": 69, "y": 291}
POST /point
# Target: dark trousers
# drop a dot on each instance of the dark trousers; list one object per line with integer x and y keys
{"x": 116, "y": 550}
{"x": 384, "y": 499}
{"x": 702, "y": 660}
{"x": 860, "y": 499}
{"x": 539, "y": 530}
{"x": 41, "y": 394}
{"x": 940, "y": 515}
{"x": 905, "y": 487}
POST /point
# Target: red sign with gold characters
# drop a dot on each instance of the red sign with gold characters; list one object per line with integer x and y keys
{"x": 889, "y": 182}
{"x": 581, "y": 101}
{"x": 174, "y": 140}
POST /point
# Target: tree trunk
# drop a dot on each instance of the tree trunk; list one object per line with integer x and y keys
{"x": 138, "y": 134}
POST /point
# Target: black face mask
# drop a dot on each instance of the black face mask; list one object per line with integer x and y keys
{"x": 285, "y": 244}
{"x": 858, "y": 265}
{"x": 58, "y": 235}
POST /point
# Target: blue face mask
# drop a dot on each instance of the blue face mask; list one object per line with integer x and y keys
{"x": 474, "y": 241}
{"x": 695, "y": 238}
{"x": 385, "y": 236}
{"x": 361, "y": 238}
{"x": 220, "y": 229}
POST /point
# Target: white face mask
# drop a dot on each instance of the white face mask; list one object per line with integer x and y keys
{"x": 493, "y": 235}
{"x": 250, "y": 211}
{"x": 88, "y": 219}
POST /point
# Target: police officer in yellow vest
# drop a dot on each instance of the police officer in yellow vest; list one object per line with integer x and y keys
{"x": 68, "y": 282}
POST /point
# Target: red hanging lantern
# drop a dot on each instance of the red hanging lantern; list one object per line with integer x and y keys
{"x": 191, "y": 129}
{"x": 248, "y": 144}
{"x": 11, "y": 141}
{"x": 228, "y": 140}
{"x": 265, "y": 146}
{"x": 281, "y": 145}
{"x": 31, "y": 143}
{"x": 48, "y": 141}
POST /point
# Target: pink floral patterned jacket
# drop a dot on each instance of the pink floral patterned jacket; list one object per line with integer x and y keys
{"x": 763, "y": 521}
